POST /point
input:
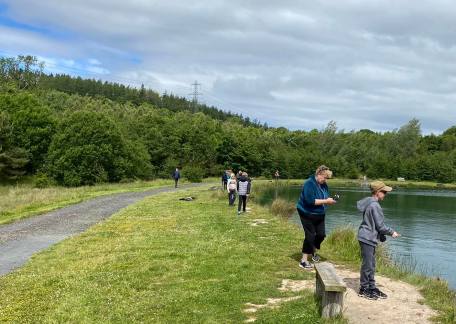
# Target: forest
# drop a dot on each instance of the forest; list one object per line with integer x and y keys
{"x": 72, "y": 131}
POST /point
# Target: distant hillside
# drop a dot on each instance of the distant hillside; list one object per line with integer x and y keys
{"x": 121, "y": 93}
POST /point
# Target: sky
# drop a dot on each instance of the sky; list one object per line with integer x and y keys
{"x": 372, "y": 64}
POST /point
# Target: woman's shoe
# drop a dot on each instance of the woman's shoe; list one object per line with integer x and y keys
{"x": 305, "y": 265}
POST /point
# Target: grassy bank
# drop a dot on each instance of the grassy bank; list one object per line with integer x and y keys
{"x": 164, "y": 260}
{"x": 343, "y": 247}
{"x": 24, "y": 200}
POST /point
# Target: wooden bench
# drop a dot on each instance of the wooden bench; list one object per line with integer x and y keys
{"x": 330, "y": 288}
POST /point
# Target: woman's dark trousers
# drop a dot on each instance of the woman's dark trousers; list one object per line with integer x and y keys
{"x": 314, "y": 230}
{"x": 232, "y": 197}
{"x": 242, "y": 202}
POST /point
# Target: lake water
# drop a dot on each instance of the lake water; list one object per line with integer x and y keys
{"x": 426, "y": 220}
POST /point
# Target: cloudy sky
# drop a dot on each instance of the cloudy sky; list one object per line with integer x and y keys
{"x": 362, "y": 63}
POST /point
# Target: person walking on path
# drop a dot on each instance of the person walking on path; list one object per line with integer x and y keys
{"x": 225, "y": 178}
{"x": 243, "y": 189}
{"x": 176, "y": 176}
{"x": 311, "y": 207}
{"x": 232, "y": 188}
{"x": 372, "y": 230}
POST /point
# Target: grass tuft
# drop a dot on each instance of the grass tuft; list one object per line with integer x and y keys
{"x": 283, "y": 208}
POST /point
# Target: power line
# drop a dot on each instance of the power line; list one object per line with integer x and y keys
{"x": 195, "y": 95}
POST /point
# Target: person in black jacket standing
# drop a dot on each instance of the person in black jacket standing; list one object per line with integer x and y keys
{"x": 176, "y": 176}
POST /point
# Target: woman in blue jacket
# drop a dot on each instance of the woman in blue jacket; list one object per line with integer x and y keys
{"x": 311, "y": 209}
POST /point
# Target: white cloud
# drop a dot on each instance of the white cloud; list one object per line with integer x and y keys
{"x": 366, "y": 64}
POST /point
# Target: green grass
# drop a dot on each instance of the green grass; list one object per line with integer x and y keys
{"x": 164, "y": 261}
{"x": 342, "y": 246}
{"x": 23, "y": 200}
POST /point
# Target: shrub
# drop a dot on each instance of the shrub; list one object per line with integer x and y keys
{"x": 43, "y": 181}
{"x": 194, "y": 173}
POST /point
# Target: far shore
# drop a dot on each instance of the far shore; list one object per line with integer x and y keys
{"x": 351, "y": 183}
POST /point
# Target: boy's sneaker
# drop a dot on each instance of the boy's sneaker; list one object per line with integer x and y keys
{"x": 239, "y": 213}
{"x": 367, "y": 293}
{"x": 379, "y": 293}
{"x": 305, "y": 265}
{"x": 315, "y": 258}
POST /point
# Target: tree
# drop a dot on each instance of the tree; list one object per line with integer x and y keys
{"x": 23, "y": 72}
{"x": 33, "y": 125}
{"x": 89, "y": 148}
{"x": 12, "y": 159}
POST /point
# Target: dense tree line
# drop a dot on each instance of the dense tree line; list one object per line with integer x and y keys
{"x": 75, "y": 138}
{"x": 123, "y": 94}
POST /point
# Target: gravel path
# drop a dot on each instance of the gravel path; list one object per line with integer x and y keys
{"x": 19, "y": 240}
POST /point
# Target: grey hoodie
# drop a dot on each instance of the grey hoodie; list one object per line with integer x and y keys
{"x": 373, "y": 223}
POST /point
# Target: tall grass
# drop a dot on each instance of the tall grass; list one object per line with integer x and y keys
{"x": 283, "y": 208}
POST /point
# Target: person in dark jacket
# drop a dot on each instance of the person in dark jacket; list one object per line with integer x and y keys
{"x": 239, "y": 175}
{"x": 311, "y": 208}
{"x": 370, "y": 231}
{"x": 176, "y": 176}
{"x": 225, "y": 178}
{"x": 243, "y": 189}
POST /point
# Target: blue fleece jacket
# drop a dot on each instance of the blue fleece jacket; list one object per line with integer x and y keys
{"x": 312, "y": 190}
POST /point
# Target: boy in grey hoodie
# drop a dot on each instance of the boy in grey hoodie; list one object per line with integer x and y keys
{"x": 370, "y": 232}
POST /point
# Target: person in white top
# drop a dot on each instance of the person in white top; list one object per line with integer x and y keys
{"x": 232, "y": 188}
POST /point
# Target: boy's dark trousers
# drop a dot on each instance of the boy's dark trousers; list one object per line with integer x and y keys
{"x": 367, "y": 272}
{"x": 232, "y": 197}
{"x": 242, "y": 202}
{"x": 175, "y": 182}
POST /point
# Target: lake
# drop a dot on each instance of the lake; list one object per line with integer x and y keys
{"x": 426, "y": 219}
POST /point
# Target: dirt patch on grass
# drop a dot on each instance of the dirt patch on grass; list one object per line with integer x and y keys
{"x": 256, "y": 222}
{"x": 270, "y": 303}
{"x": 296, "y": 285}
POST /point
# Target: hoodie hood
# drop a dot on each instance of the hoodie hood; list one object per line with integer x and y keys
{"x": 364, "y": 203}
{"x": 243, "y": 178}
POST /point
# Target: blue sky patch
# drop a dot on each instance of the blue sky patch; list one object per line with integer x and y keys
{"x": 7, "y": 21}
